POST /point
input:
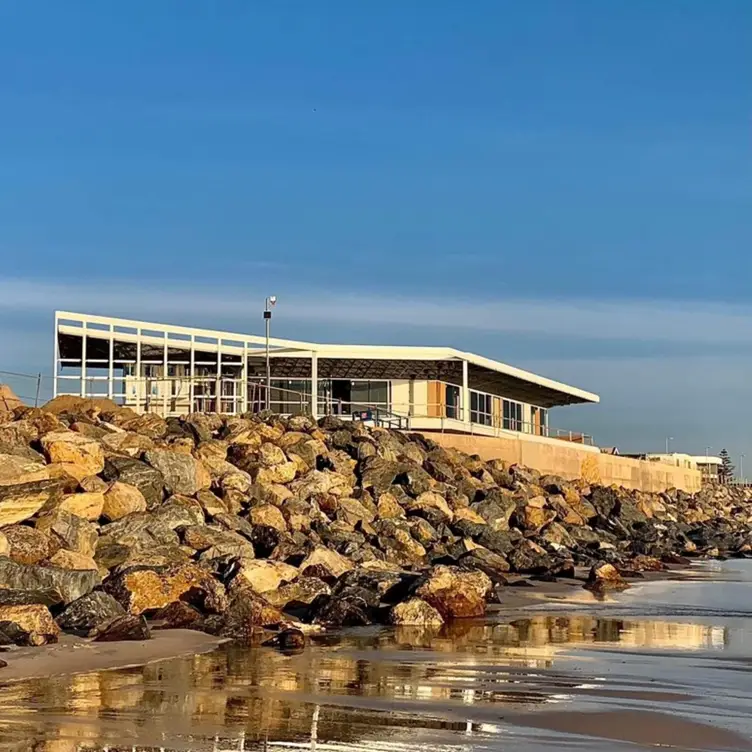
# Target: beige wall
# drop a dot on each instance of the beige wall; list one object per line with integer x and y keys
{"x": 573, "y": 461}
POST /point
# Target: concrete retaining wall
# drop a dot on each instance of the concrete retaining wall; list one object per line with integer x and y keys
{"x": 573, "y": 461}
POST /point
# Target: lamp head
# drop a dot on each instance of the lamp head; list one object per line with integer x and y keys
{"x": 272, "y": 300}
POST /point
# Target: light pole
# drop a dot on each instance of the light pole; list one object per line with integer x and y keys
{"x": 707, "y": 462}
{"x": 270, "y": 302}
{"x": 668, "y": 439}
{"x": 741, "y": 467}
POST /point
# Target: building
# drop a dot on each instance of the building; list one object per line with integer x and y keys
{"x": 174, "y": 370}
{"x": 709, "y": 466}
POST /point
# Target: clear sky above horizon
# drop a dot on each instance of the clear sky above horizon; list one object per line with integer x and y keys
{"x": 566, "y": 186}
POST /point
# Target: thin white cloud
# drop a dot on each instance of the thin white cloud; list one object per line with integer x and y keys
{"x": 626, "y": 320}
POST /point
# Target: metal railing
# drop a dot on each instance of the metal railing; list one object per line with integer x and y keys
{"x": 178, "y": 395}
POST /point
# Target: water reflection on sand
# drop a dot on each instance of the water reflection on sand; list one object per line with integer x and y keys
{"x": 383, "y": 690}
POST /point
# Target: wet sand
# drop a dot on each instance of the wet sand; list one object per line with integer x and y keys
{"x": 666, "y": 663}
{"x": 74, "y": 655}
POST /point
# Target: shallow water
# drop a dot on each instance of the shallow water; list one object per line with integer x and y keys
{"x": 669, "y": 663}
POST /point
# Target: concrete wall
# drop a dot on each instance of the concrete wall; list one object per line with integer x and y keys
{"x": 573, "y": 461}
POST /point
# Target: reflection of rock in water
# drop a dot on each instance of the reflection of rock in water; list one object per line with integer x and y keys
{"x": 346, "y": 690}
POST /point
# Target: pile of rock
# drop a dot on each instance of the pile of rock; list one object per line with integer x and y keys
{"x": 112, "y": 523}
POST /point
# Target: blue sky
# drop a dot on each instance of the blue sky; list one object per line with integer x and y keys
{"x": 565, "y": 186}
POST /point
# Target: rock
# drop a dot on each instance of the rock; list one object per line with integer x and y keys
{"x": 183, "y": 474}
{"x": 354, "y": 607}
{"x": 211, "y": 503}
{"x": 26, "y": 545}
{"x": 89, "y": 506}
{"x": 494, "y": 566}
{"x": 432, "y": 506}
{"x": 27, "y": 625}
{"x": 90, "y": 612}
{"x": 270, "y": 455}
{"x": 178, "y": 615}
{"x": 288, "y": 641}
{"x": 325, "y": 564}
{"x": 15, "y": 469}
{"x": 141, "y": 590}
{"x": 284, "y": 473}
{"x": 529, "y": 558}
{"x": 122, "y": 499}
{"x": 455, "y": 593}
{"x": 126, "y": 443}
{"x": 302, "y": 592}
{"x": 74, "y": 449}
{"x": 265, "y": 576}
{"x": 124, "y": 628}
{"x": 145, "y": 478}
{"x": 642, "y": 563}
{"x": 68, "y": 584}
{"x": 267, "y": 515}
{"x": 247, "y": 612}
{"x": 19, "y": 502}
{"x": 496, "y": 512}
{"x": 388, "y": 507}
{"x": 72, "y": 532}
{"x": 72, "y": 560}
{"x": 415, "y": 613}
{"x": 353, "y": 512}
{"x": 605, "y": 578}
{"x": 45, "y": 597}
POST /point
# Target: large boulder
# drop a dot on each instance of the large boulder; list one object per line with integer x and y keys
{"x": 183, "y": 474}
{"x": 92, "y": 611}
{"x": 71, "y": 448}
{"x": 27, "y": 545}
{"x": 415, "y": 612}
{"x": 122, "y": 499}
{"x": 27, "y": 625}
{"x": 246, "y": 613}
{"x": 605, "y": 578}
{"x": 69, "y": 585}
{"x": 86, "y": 505}
{"x": 298, "y": 594}
{"x": 19, "y": 502}
{"x": 141, "y": 590}
{"x": 72, "y": 560}
{"x": 455, "y": 593}
{"x": 325, "y": 564}
{"x": 70, "y": 531}
{"x": 264, "y": 576}
{"x": 128, "y": 627}
{"x": 145, "y": 478}
{"x": 16, "y": 469}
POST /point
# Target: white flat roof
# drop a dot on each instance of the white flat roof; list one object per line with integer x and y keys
{"x": 67, "y": 322}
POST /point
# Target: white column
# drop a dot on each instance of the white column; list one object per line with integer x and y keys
{"x": 56, "y": 362}
{"x": 139, "y": 378}
{"x": 192, "y": 373}
{"x": 244, "y": 378}
{"x": 465, "y": 393}
{"x": 111, "y": 365}
{"x": 218, "y": 387}
{"x": 164, "y": 382}
{"x": 314, "y": 386}
{"x": 83, "y": 361}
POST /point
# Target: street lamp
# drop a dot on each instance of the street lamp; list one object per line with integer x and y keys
{"x": 741, "y": 467}
{"x": 707, "y": 462}
{"x": 270, "y": 302}
{"x": 668, "y": 439}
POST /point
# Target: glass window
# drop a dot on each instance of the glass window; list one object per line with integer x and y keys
{"x": 481, "y": 408}
{"x": 452, "y": 401}
{"x": 512, "y": 416}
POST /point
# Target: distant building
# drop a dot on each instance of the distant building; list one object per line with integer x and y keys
{"x": 709, "y": 465}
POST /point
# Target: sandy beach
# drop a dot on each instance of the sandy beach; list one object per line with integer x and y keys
{"x": 666, "y": 663}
